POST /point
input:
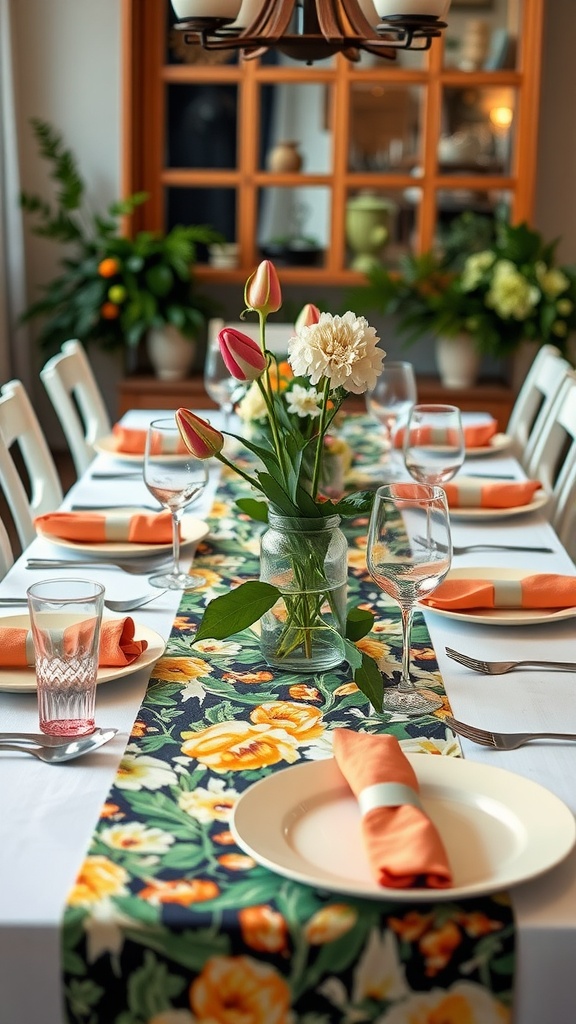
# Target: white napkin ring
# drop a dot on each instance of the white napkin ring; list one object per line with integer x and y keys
{"x": 387, "y": 794}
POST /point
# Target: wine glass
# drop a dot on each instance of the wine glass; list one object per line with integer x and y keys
{"x": 390, "y": 402}
{"x": 223, "y": 389}
{"x": 409, "y": 552}
{"x": 434, "y": 447}
{"x": 175, "y": 478}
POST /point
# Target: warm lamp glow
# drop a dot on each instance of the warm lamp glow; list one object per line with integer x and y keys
{"x": 501, "y": 117}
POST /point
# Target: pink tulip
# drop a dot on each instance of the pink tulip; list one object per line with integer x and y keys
{"x": 308, "y": 316}
{"x": 199, "y": 437}
{"x": 262, "y": 291}
{"x": 242, "y": 356}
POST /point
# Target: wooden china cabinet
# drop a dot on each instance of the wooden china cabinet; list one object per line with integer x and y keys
{"x": 428, "y": 136}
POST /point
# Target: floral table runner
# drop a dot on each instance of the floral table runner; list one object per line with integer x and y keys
{"x": 170, "y": 923}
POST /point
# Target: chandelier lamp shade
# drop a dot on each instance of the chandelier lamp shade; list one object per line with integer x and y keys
{"x": 310, "y": 30}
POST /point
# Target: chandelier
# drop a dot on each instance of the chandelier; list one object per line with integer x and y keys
{"x": 310, "y": 30}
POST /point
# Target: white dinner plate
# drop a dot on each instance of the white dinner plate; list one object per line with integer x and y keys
{"x": 107, "y": 446}
{"x": 193, "y": 531}
{"x": 23, "y": 680}
{"x": 497, "y": 444}
{"x": 501, "y": 616}
{"x": 539, "y": 500}
{"x": 304, "y": 823}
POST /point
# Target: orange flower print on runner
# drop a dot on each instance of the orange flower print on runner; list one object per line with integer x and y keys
{"x": 238, "y": 746}
{"x": 263, "y": 929}
{"x": 240, "y": 988}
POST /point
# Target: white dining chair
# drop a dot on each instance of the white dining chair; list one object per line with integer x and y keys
{"x": 77, "y": 400}
{"x": 277, "y": 334}
{"x": 6, "y": 553}
{"x": 534, "y": 401}
{"x": 28, "y": 474}
{"x": 554, "y": 456}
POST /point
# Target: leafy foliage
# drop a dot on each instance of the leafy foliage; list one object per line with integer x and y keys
{"x": 111, "y": 288}
{"x": 492, "y": 280}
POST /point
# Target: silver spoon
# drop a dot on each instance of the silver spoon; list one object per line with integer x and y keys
{"x": 56, "y": 755}
{"x": 136, "y": 567}
{"x": 43, "y": 739}
{"x": 128, "y": 605}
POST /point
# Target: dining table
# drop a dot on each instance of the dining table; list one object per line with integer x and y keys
{"x": 85, "y": 843}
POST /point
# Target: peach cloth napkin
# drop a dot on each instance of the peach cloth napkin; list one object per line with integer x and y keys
{"x": 466, "y": 493}
{"x": 118, "y": 646}
{"x": 99, "y": 528}
{"x": 543, "y": 590}
{"x": 476, "y": 435}
{"x": 404, "y": 849}
{"x": 132, "y": 441}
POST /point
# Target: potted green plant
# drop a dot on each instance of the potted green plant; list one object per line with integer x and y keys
{"x": 493, "y": 299}
{"x": 112, "y": 290}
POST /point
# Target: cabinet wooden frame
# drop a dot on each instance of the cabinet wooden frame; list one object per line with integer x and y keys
{"x": 146, "y": 76}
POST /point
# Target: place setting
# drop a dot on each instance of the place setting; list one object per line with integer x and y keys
{"x": 341, "y": 824}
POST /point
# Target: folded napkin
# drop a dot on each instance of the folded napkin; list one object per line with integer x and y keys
{"x": 465, "y": 492}
{"x": 476, "y": 435}
{"x": 543, "y": 590}
{"x": 403, "y": 846}
{"x": 99, "y": 527}
{"x": 118, "y": 647}
{"x": 133, "y": 442}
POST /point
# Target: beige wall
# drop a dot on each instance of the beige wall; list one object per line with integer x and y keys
{"x": 68, "y": 72}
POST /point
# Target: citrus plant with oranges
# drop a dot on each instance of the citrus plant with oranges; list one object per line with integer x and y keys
{"x": 112, "y": 288}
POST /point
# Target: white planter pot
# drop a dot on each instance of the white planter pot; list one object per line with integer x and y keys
{"x": 171, "y": 354}
{"x": 458, "y": 361}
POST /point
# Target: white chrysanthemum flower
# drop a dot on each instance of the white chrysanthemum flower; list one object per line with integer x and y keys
{"x": 511, "y": 295}
{"x": 474, "y": 268}
{"x": 303, "y": 401}
{"x": 252, "y": 406}
{"x": 342, "y": 348}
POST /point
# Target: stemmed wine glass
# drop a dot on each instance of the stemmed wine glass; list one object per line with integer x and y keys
{"x": 434, "y": 447}
{"x": 390, "y": 403}
{"x": 175, "y": 478}
{"x": 409, "y": 553}
{"x": 223, "y": 389}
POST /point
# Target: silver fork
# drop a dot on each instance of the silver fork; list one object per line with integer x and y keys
{"x": 135, "y": 566}
{"x": 499, "y": 668}
{"x": 463, "y": 549}
{"x": 502, "y": 740}
{"x": 128, "y": 605}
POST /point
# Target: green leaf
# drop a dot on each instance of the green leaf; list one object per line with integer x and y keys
{"x": 277, "y": 495}
{"x": 368, "y": 678}
{"x": 255, "y": 509}
{"x": 359, "y": 622}
{"x": 236, "y": 610}
{"x": 357, "y": 504}
{"x": 352, "y": 654}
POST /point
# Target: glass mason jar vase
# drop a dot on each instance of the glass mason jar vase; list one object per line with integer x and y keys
{"x": 307, "y": 559}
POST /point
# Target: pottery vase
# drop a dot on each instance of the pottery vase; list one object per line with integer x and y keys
{"x": 170, "y": 353}
{"x": 458, "y": 361}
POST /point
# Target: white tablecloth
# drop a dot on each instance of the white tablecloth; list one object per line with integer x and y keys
{"x": 48, "y": 813}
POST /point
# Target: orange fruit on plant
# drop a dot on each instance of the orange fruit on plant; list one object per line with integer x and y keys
{"x": 109, "y": 311}
{"x": 108, "y": 267}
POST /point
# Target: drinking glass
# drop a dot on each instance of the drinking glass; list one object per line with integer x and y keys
{"x": 65, "y": 620}
{"x": 390, "y": 403}
{"x": 409, "y": 552}
{"x": 176, "y": 479}
{"x": 223, "y": 389}
{"x": 434, "y": 448}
